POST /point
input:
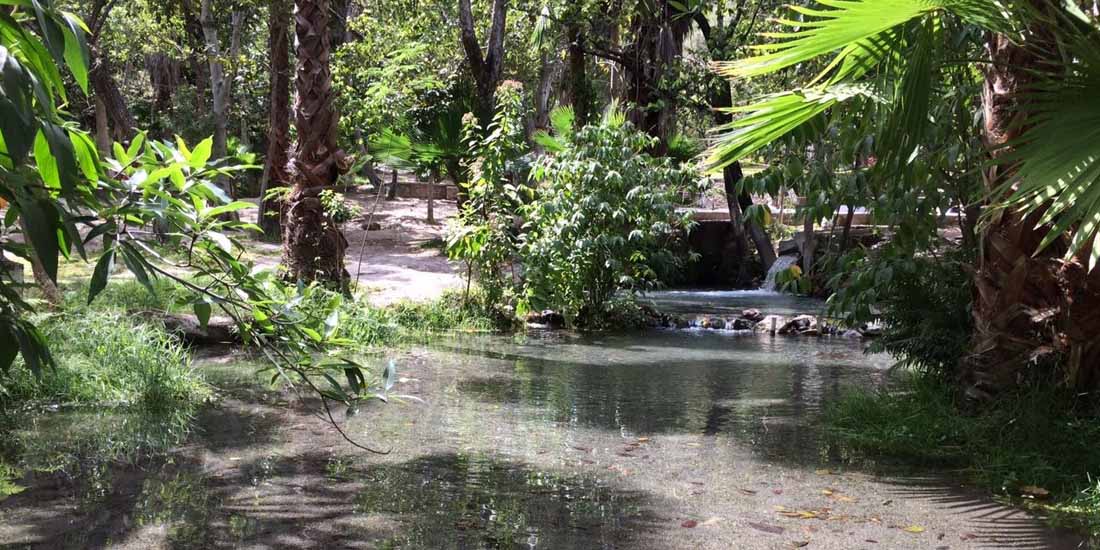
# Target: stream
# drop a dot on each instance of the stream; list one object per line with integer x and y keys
{"x": 665, "y": 439}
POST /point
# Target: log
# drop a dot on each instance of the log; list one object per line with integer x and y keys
{"x": 219, "y": 330}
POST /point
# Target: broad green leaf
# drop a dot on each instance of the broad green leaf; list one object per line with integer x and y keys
{"x": 202, "y": 313}
{"x": 41, "y": 222}
{"x": 101, "y": 273}
{"x": 201, "y": 153}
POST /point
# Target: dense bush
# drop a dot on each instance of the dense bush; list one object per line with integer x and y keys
{"x": 602, "y": 218}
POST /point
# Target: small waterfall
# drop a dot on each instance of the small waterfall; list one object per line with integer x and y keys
{"x": 781, "y": 263}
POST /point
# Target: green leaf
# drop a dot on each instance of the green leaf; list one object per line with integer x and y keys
{"x": 227, "y": 208}
{"x": 76, "y": 51}
{"x": 134, "y": 150}
{"x": 136, "y": 264}
{"x": 42, "y": 223}
{"x": 101, "y": 273}
{"x": 45, "y": 162}
{"x": 9, "y": 347}
{"x": 202, "y": 313}
{"x": 201, "y": 153}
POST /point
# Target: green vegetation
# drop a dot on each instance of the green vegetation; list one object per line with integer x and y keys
{"x": 109, "y": 359}
{"x": 1031, "y": 446}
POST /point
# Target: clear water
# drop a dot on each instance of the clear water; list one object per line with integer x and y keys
{"x": 555, "y": 440}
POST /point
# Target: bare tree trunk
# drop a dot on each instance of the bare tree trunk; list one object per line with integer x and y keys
{"x": 809, "y": 242}
{"x": 548, "y": 76}
{"x": 731, "y": 175}
{"x": 431, "y": 195}
{"x": 578, "y": 92}
{"x": 219, "y": 85}
{"x": 119, "y": 120}
{"x": 278, "y": 131}
{"x": 102, "y": 130}
{"x": 844, "y": 235}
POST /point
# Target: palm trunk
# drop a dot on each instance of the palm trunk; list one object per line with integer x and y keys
{"x": 313, "y": 246}
{"x": 278, "y": 131}
{"x": 1036, "y": 316}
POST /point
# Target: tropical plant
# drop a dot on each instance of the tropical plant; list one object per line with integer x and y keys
{"x": 485, "y": 236}
{"x": 602, "y": 218}
{"x": 313, "y": 246}
{"x": 1037, "y": 288}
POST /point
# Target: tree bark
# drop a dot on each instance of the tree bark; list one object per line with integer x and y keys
{"x": 219, "y": 85}
{"x": 759, "y": 236}
{"x": 120, "y": 122}
{"x": 731, "y": 175}
{"x": 487, "y": 68}
{"x": 278, "y": 129}
{"x": 1032, "y": 312}
{"x": 578, "y": 90}
{"x": 313, "y": 246}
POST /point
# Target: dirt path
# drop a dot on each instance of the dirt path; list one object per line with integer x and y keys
{"x": 401, "y": 258}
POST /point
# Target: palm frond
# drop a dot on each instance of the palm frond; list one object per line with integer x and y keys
{"x": 847, "y": 28}
{"x": 1059, "y": 157}
{"x": 776, "y": 116}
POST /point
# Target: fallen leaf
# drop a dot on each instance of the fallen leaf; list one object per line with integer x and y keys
{"x": 888, "y": 502}
{"x": 711, "y": 521}
{"x": 643, "y": 439}
{"x": 689, "y": 524}
{"x": 584, "y": 449}
{"x": 967, "y": 536}
{"x": 825, "y": 472}
{"x": 773, "y": 529}
{"x": 914, "y": 529}
{"x": 872, "y": 541}
{"x": 827, "y": 492}
{"x": 777, "y": 491}
{"x": 747, "y": 491}
{"x": 799, "y": 543}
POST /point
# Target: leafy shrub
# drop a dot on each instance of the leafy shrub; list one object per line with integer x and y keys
{"x": 109, "y": 358}
{"x": 923, "y": 304}
{"x": 485, "y": 237}
{"x": 338, "y": 208}
{"x": 602, "y": 218}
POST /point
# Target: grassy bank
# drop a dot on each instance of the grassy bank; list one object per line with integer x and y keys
{"x": 1018, "y": 448}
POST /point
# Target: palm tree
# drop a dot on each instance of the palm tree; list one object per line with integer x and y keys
{"x": 278, "y": 132}
{"x": 1038, "y": 292}
{"x": 313, "y": 246}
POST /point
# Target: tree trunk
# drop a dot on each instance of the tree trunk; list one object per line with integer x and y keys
{"x": 1036, "y": 316}
{"x": 759, "y": 236}
{"x": 487, "y": 68}
{"x": 731, "y": 175}
{"x": 578, "y": 92}
{"x": 219, "y": 85}
{"x": 431, "y": 195}
{"x": 809, "y": 242}
{"x": 278, "y": 129}
{"x": 548, "y": 76}
{"x": 120, "y": 122}
{"x": 313, "y": 246}
{"x": 102, "y": 128}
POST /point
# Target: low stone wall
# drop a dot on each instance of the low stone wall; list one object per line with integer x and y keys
{"x": 441, "y": 191}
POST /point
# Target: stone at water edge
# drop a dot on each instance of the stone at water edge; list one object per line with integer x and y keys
{"x": 548, "y": 318}
{"x": 799, "y": 325}
{"x": 852, "y": 334}
{"x": 743, "y": 324}
{"x": 753, "y": 315}
{"x": 765, "y": 324}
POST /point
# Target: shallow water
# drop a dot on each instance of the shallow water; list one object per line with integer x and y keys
{"x": 731, "y": 302}
{"x": 666, "y": 439}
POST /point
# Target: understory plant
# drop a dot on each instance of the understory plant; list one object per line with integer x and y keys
{"x": 603, "y": 217}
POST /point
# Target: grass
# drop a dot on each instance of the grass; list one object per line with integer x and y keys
{"x": 1018, "y": 447}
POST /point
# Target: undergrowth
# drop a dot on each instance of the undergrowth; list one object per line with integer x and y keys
{"x": 1022, "y": 447}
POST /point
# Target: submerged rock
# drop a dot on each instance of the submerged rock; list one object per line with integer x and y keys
{"x": 742, "y": 324}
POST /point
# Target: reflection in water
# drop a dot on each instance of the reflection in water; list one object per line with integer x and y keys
{"x": 460, "y": 501}
{"x": 763, "y": 391}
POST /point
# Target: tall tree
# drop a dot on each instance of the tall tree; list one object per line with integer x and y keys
{"x": 313, "y": 246}
{"x": 487, "y": 68}
{"x": 278, "y": 129}
{"x": 219, "y": 84}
